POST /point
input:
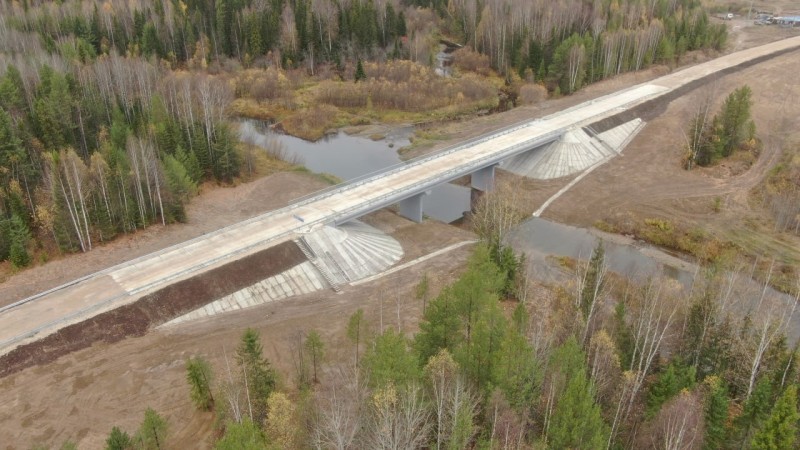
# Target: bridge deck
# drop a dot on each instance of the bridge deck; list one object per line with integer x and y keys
{"x": 45, "y": 313}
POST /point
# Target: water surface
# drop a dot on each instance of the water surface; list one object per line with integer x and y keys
{"x": 349, "y": 157}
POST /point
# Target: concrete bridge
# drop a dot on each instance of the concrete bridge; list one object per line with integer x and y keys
{"x": 405, "y": 184}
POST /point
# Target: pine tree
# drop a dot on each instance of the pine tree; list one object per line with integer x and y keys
{"x": 780, "y": 430}
{"x": 594, "y": 281}
{"x": 517, "y": 372}
{"x": 390, "y": 361}
{"x": 734, "y": 119}
{"x": 356, "y": 331}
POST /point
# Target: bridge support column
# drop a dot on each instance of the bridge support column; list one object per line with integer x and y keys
{"x": 411, "y": 208}
{"x": 482, "y": 182}
{"x": 483, "y": 179}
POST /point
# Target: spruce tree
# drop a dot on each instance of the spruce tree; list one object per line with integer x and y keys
{"x": 257, "y": 373}
{"x": 20, "y": 236}
{"x": 755, "y": 410}
{"x": 716, "y": 414}
{"x": 577, "y": 421}
{"x": 360, "y": 74}
{"x": 676, "y": 377}
{"x": 780, "y": 430}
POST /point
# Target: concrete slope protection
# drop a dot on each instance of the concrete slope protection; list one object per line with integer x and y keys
{"x": 41, "y": 315}
{"x": 576, "y": 150}
{"x": 336, "y": 256}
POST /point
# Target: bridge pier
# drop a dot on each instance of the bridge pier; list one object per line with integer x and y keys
{"x": 411, "y": 208}
{"x": 482, "y": 182}
{"x": 483, "y": 179}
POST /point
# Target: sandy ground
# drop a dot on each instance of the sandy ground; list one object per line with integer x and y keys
{"x": 647, "y": 180}
{"x": 82, "y": 395}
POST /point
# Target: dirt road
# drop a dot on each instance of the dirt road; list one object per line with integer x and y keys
{"x": 648, "y": 178}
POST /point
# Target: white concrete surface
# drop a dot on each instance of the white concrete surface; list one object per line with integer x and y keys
{"x": 573, "y": 152}
{"x": 300, "y": 279}
{"x": 361, "y": 250}
{"x": 353, "y": 251}
{"x": 41, "y": 315}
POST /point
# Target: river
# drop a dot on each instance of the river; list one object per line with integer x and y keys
{"x": 348, "y": 157}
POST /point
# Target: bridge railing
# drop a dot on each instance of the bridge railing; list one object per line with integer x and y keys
{"x": 380, "y": 173}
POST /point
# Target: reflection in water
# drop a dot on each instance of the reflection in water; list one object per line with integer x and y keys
{"x": 349, "y": 157}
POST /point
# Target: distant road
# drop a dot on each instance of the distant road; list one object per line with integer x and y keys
{"x": 45, "y": 313}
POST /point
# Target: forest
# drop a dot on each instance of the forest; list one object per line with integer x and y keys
{"x": 113, "y": 113}
{"x": 606, "y": 362}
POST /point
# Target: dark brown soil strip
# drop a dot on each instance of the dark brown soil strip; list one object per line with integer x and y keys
{"x": 155, "y": 308}
{"x": 651, "y": 109}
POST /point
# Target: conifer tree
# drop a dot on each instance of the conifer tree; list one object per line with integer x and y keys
{"x": 20, "y": 236}
{"x": 780, "y": 430}
{"x": 152, "y": 433}
{"x": 716, "y": 414}
{"x": 315, "y": 349}
{"x": 360, "y": 74}
{"x": 675, "y": 378}
{"x": 199, "y": 376}
{"x": 576, "y": 421}
{"x": 118, "y": 440}
{"x": 257, "y": 373}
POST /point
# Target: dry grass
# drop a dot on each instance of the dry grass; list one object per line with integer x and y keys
{"x": 394, "y": 92}
{"x": 313, "y": 122}
{"x": 407, "y": 87}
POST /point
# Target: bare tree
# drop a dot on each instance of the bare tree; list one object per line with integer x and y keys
{"x": 453, "y": 402}
{"x": 653, "y": 311}
{"x": 496, "y": 213}
{"x": 398, "y": 419}
{"x": 604, "y": 366}
{"x": 339, "y": 414}
{"x": 768, "y": 323}
{"x": 679, "y": 424}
